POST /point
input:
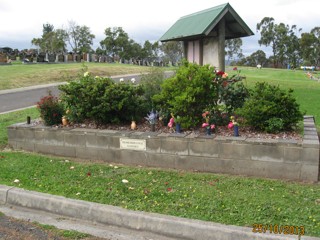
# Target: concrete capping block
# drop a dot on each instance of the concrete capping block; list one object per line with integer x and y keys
{"x": 230, "y": 139}
{"x": 289, "y": 142}
{"x": 259, "y": 141}
{"x": 307, "y": 143}
{"x": 106, "y": 132}
{"x": 311, "y": 137}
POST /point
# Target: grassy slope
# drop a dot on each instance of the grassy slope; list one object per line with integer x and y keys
{"x": 22, "y": 75}
{"x": 306, "y": 91}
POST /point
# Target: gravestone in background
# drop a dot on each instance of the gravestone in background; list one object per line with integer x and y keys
{"x": 51, "y": 58}
{"x": 70, "y": 58}
{"x": 3, "y": 58}
{"x": 60, "y": 58}
{"x": 41, "y": 57}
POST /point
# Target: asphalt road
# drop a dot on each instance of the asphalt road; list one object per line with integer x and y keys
{"x": 11, "y": 100}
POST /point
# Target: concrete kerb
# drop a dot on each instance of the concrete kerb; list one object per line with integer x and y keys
{"x": 174, "y": 227}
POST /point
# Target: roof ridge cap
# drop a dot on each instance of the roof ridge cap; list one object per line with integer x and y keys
{"x": 222, "y": 6}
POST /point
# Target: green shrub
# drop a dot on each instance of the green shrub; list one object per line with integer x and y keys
{"x": 271, "y": 109}
{"x": 274, "y": 125}
{"x": 151, "y": 84}
{"x": 51, "y": 110}
{"x": 195, "y": 89}
{"x": 101, "y": 100}
{"x": 188, "y": 93}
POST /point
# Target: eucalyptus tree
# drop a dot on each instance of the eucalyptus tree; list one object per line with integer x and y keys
{"x": 115, "y": 42}
{"x": 51, "y": 41}
{"x": 173, "y": 51}
{"x": 233, "y": 48}
{"x": 283, "y": 40}
{"x": 80, "y": 38}
{"x": 310, "y": 46}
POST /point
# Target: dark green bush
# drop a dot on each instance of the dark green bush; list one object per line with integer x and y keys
{"x": 188, "y": 93}
{"x": 195, "y": 89}
{"x": 51, "y": 110}
{"x": 271, "y": 109}
{"x": 101, "y": 100}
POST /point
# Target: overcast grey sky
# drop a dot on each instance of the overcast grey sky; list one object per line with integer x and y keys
{"x": 22, "y": 20}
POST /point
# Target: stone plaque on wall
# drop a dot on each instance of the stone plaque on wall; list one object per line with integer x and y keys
{"x": 133, "y": 144}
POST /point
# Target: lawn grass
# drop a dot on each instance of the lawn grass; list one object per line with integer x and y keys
{"x": 23, "y": 75}
{"x": 225, "y": 199}
{"x": 306, "y": 91}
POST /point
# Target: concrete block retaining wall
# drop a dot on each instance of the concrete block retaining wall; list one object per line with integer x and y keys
{"x": 280, "y": 159}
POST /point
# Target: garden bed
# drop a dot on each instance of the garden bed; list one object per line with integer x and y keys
{"x": 222, "y": 131}
{"x": 273, "y": 157}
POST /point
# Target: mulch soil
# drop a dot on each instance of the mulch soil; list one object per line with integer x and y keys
{"x": 246, "y": 132}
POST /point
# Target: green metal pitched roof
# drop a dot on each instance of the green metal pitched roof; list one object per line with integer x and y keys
{"x": 201, "y": 24}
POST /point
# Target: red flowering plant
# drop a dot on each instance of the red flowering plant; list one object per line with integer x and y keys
{"x": 230, "y": 94}
{"x": 206, "y": 124}
{"x": 232, "y": 122}
{"x": 51, "y": 109}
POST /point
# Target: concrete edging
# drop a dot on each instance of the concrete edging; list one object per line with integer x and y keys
{"x": 174, "y": 227}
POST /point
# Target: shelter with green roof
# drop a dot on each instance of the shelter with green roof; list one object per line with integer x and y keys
{"x": 204, "y": 33}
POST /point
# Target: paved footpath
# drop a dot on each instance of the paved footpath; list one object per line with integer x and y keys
{"x": 118, "y": 223}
